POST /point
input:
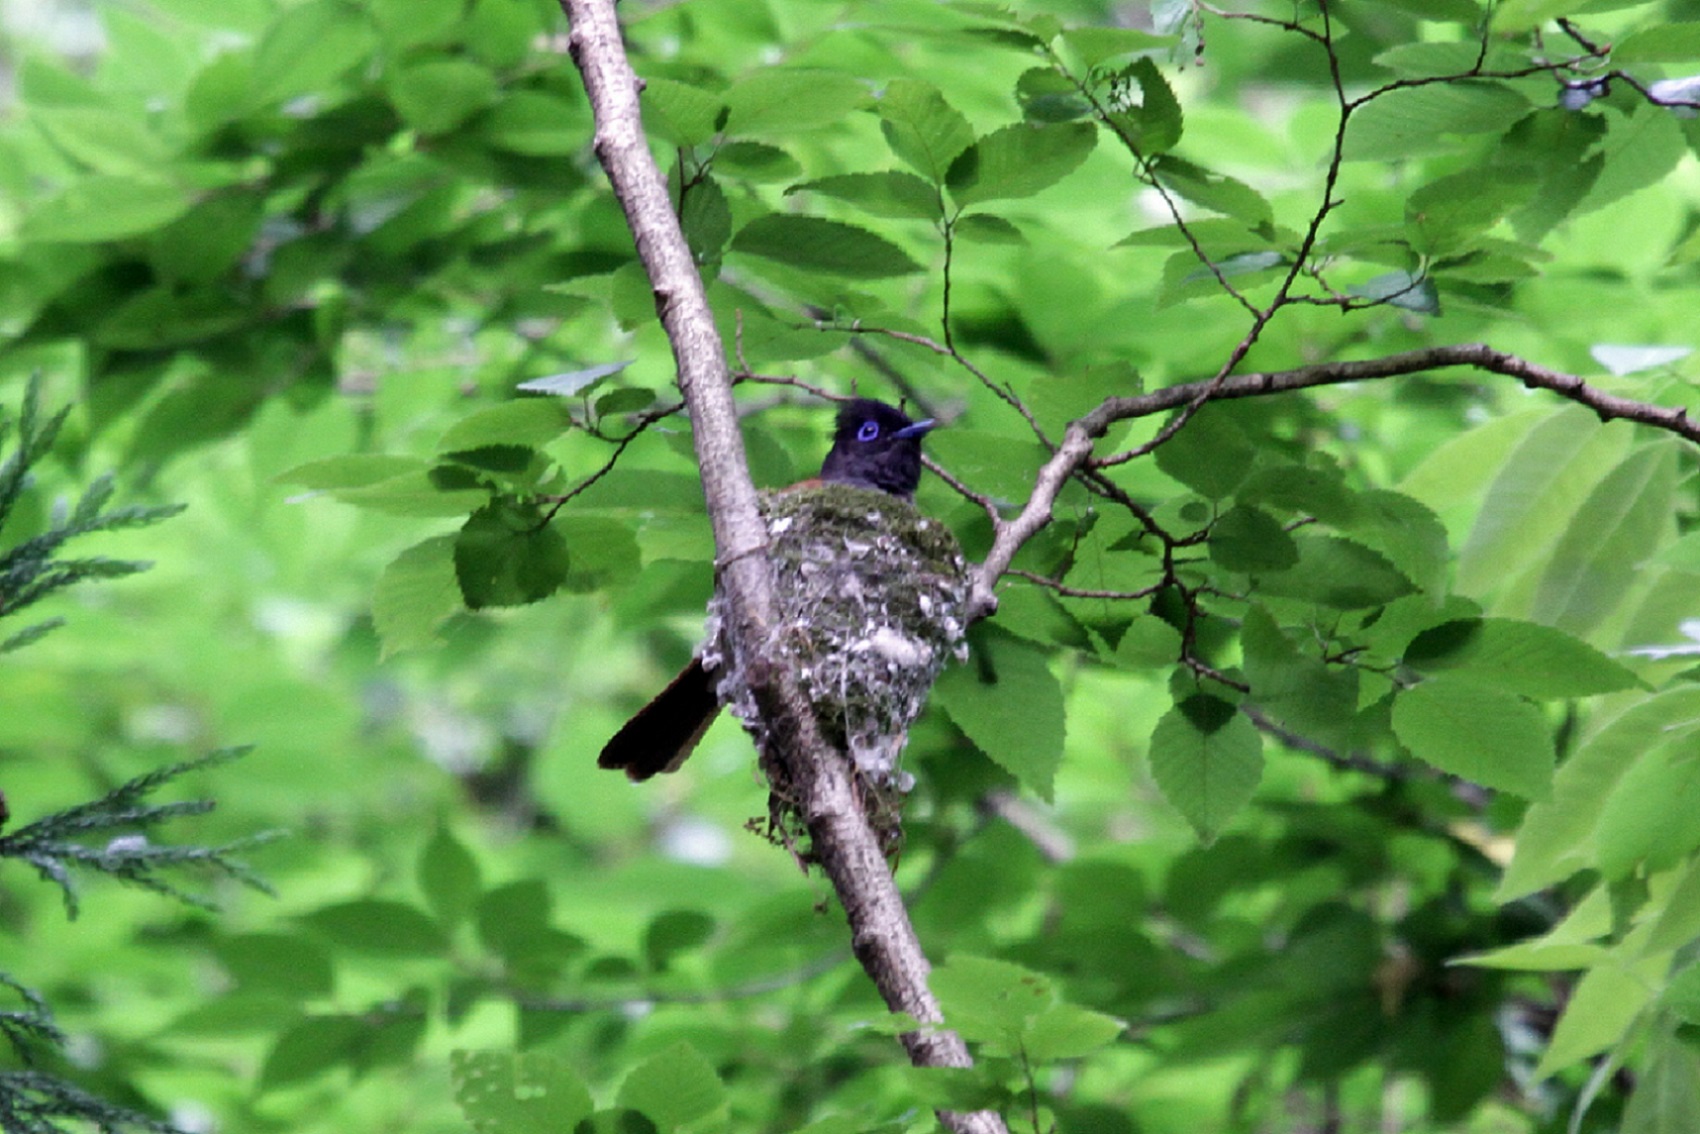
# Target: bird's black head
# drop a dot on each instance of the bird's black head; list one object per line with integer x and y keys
{"x": 876, "y": 446}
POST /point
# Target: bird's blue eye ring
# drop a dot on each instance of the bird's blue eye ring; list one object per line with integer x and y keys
{"x": 869, "y": 430}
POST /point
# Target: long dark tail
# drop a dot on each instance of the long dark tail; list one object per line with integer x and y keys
{"x": 665, "y": 732}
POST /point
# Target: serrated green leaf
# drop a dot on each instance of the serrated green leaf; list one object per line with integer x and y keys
{"x": 1094, "y": 45}
{"x": 1447, "y": 214}
{"x": 418, "y": 493}
{"x": 1556, "y": 838}
{"x": 1518, "y": 657}
{"x": 1010, "y": 706}
{"x": 533, "y": 1092}
{"x": 1209, "y": 454}
{"x": 1340, "y": 573}
{"x": 1250, "y": 540}
{"x": 1215, "y": 191}
{"x": 673, "y": 1087}
{"x": 1154, "y": 126}
{"x": 782, "y": 100}
{"x": 921, "y": 128}
{"x": 1624, "y": 520}
{"x": 1046, "y": 96}
{"x": 1417, "y": 120}
{"x": 416, "y": 593}
{"x": 379, "y": 928}
{"x": 987, "y": 229}
{"x": 308, "y": 48}
{"x": 1206, "y": 759}
{"x": 889, "y": 194}
{"x": 523, "y": 421}
{"x": 1310, "y": 697}
{"x": 681, "y": 113}
{"x": 1018, "y": 161}
{"x": 818, "y": 245}
{"x": 1487, "y": 736}
{"x": 507, "y": 555}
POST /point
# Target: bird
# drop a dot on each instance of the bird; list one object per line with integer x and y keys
{"x": 874, "y": 446}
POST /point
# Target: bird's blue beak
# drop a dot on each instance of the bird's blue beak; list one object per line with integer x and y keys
{"x": 916, "y": 429}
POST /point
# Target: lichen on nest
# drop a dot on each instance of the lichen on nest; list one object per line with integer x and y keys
{"x": 871, "y": 601}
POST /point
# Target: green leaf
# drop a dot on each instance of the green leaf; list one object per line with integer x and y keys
{"x": 533, "y": 1092}
{"x": 990, "y": 1000}
{"x": 1209, "y": 454}
{"x": 673, "y": 932}
{"x": 1206, "y": 759}
{"x": 1449, "y": 213}
{"x": 1010, "y": 706}
{"x": 1302, "y": 692}
{"x": 681, "y": 113}
{"x": 418, "y": 493}
{"x": 1215, "y": 191}
{"x": 507, "y": 555}
{"x": 921, "y": 128}
{"x": 1550, "y": 469}
{"x": 289, "y": 963}
{"x": 309, "y": 47}
{"x": 379, "y": 928}
{"x": 1250, "y": 540}
{"x": 889, "y": 194}
{"x": 1600, "y": 1010}
{"x": 104, "y": 207}
{"x": 1411, "y": 121}
{"x": 1018, "y": 161}
{"x": 1153, "y": 126}
{"x": 1623, "y": 521}
{"x": 1662, "y": 43}
{"x": 448, "y": 875}
{"x": 536, "y": 124}
{"x": 352, "y": 470}
{"x": 1487, "y": 736}
{"x": 1518, "y": 657}
{"x": 1401, "y": 289}
{"x": 519, "y": 422}
{"x": 985, "y": 228}
{"x": 1556, "y": 838}
{"x": 1339, "y": 573}
{"x": 416, "y": 593}
{"x": 673, "y": 1087}
{"x": 1067, "y": 1031}
{"x": 1094, "y": 45}
{"x": 707, "y": 220}
{"x": 784, "y": 100}
{"x": 436, "y": 95}
{"x": 817, "y": 245}
{"x": 1648, "y": 821}
{"x": 756, "y": 161}
{"x": 1666, "y": 1099}
{"x": 102, "y": 139}
{"x": 311, "y": 1047}
{"x": 1045, "y": 96}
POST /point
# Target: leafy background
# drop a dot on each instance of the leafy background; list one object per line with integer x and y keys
{"x": 289, "y": 263}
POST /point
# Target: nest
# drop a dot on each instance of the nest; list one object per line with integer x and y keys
{"x": 872, "y": 600}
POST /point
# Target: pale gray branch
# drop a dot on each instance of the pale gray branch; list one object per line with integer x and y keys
{"x": 882, "y": 936}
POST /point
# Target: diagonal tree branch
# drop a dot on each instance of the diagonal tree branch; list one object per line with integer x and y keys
{"x": 1075, "y": 452}
{"x": 882, "y": 936}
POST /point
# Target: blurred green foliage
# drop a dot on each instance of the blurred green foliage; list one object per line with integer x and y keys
{"x": 1413, "y": 681}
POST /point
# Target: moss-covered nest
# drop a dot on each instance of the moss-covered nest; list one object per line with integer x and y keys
{"x": 872, "y": 599}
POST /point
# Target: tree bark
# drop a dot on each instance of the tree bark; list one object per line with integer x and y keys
{"x": 882, "y": 936}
